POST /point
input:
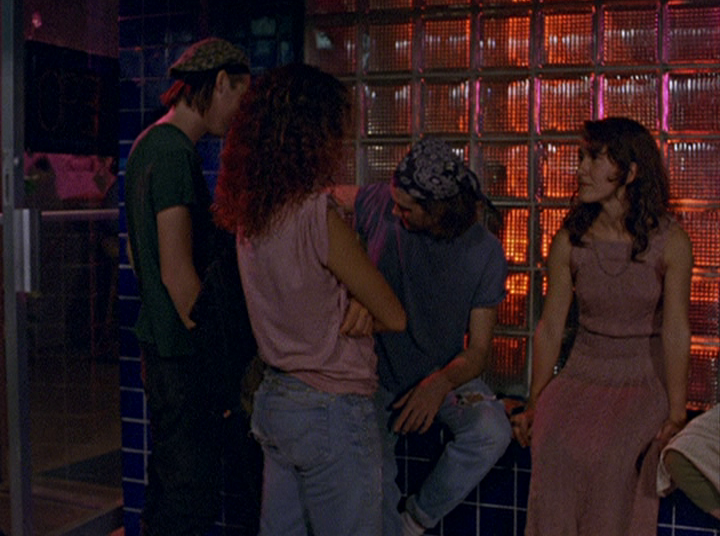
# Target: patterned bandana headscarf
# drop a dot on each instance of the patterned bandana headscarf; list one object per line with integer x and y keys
{"x": 432, "y": 171}
{"x": 208, "y": 55}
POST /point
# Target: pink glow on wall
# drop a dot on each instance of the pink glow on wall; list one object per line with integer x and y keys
{"x": 512, "y": 83}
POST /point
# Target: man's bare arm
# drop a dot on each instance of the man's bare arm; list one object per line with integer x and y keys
{"x": 419, "y": 406}
{"x": 176, "y": 260}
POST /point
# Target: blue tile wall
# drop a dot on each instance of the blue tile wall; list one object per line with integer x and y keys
{"x": 132, "y": 404}
{"x": 134, "y": 465}
{"x": 152, "y": 34}
{"x": 130, "y": 375}
{"x": 499, "y": 505}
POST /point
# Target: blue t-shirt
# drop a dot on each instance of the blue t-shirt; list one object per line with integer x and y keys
{"x": 438, "y": 282}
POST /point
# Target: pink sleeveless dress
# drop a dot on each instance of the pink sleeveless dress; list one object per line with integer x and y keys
{"x": 593, "y": 451}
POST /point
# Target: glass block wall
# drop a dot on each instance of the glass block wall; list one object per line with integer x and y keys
{"x": 508, "y": 84}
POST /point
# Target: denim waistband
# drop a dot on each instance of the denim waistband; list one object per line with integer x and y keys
{"x": 274, "y": 377}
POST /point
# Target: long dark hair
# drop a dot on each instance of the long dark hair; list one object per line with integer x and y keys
{"x": 626, "y": 142}
{"x": 284, "y": 144}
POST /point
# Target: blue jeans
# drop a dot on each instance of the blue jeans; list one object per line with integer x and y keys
{"x": 480, "y": 434}
{"x": 322, "y": 453}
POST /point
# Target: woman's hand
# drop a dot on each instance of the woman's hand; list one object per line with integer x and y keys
{"x": 358, "y": 321}
{"x": 522, "y": 426}
{"x": 668, "y": 430}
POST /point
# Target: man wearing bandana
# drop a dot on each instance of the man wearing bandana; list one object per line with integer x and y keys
{"x": 423, "y": 233}
{"x": 173, "y": 241}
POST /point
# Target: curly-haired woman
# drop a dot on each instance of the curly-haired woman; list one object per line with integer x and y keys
{"x": 596, "y": 429}
{"x": 300, "y": 263}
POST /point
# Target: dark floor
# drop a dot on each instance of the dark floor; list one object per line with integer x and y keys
{"x": 75, "y": 442}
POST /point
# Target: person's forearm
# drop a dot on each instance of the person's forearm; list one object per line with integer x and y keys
{"x": 541, "y": 376}
{"x": 545, "y": 352}
{"x": 677, "y": 356}
{"x": 183, "y": 292}
{"x": 177, "y": 271}
{"x": 466, "y": 366}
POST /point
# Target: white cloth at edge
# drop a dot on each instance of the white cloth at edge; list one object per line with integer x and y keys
{"x": 699, "y": 442}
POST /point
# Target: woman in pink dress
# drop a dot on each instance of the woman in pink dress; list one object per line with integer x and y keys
{"x": 597, "y": 427}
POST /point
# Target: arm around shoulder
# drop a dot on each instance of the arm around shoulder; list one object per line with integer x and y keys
{"x": 345, "y": 195}
{"x": 350, "y": 264}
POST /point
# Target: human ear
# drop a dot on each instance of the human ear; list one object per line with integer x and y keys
{"x": 632, "y": 173}
{"x": 222, "y": 80}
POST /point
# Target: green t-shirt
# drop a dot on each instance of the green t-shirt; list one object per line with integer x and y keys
{"x": 164, "y": 170}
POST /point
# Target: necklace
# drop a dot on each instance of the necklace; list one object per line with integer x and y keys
{"x": 605, "y": 270}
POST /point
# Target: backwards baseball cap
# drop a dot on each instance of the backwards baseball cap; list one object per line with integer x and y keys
{"x": 209, "y": 55}
{"x": 431, "y": 170}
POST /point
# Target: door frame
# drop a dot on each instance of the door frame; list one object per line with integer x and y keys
{"x": 15, "y": 334}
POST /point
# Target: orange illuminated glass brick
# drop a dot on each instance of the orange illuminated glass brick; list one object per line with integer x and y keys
{"x": 318, "y": 7}
{"x": 703, "y": 228}
{"x": 446, "y": 44}
{"x": 390, "y": 47}
{"x": 514, "y": 234}
{"x": 635, "y": 95}
{"x": 567, "y": 38}
{"x": 565, "y": 103}
{"x": 447, "y": 2}
{"x": 333, "y": 49}
{"x": 693, "y": 168}
{"x": 504, "y": 2}
{"x": 630, "y": 36}
{"x": 504, "y": 169}
{"x": 703, "y": 390}
{"x": 513, "y": 309}
{"x": 504, "y": 105}
{"x": 446, "y": 107}
{"x": 389, "y": 4}
{"x": 694, "y": 98}
{"x": 544, "y": 284}
{"x": 381, "y": 161}
{"x": 504, "y": 41}
{"x": 557, "y": 166}
{"x": 693, "y": 33}
{"x": 388, "y": 109}
{"x": 461, "y": 150}
{"x": 508, "y": 363}
{"x": 704, "y": 304}
{"x": 551, "y": 220}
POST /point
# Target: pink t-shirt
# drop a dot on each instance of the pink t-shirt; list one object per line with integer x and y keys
{"x": 296, "y": 304}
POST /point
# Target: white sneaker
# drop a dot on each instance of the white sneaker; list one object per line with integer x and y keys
{"x": 410, "y": 527}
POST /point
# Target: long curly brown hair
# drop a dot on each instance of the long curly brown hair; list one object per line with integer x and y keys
{"x": 626, "y": 142}
{"x": 284, "y": 144}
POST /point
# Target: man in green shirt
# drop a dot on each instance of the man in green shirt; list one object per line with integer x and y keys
{"x": 173, "y": 240}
